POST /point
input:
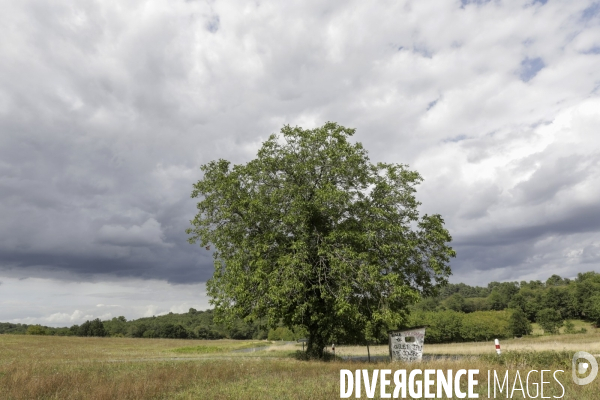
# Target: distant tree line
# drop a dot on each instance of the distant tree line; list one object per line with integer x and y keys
{"x": 191, "y": 325}
{"x": 458, "y": 313}
{"x": 503, "y": 309}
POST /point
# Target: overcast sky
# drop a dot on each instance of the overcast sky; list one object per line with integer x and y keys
{"x": 108, "y": 108}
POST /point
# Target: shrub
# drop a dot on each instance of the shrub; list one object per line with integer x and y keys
{"x": 455, "y": 302}
{"x": 518, "y": 323}
{"x": 569, "y": 327}
{"x": 486, "y": 325}
{"x": 450, "y": 326}
{"x": 550, "y": 320}
{"x": 36, "y": 330}
{"x": 281, "y": 333}
{"x": 442, "y": 326}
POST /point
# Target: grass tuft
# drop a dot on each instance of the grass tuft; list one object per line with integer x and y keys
{"x": 533, "y": 359}
{"x": 208, "y": 349}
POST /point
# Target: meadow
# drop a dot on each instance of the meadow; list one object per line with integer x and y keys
{"x": 51, "y": 367}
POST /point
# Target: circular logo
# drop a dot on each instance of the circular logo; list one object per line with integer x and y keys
{"x": 582, "y": 367}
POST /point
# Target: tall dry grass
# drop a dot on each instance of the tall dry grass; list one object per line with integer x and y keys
{"x": 120, "y": 368}
{"x": 48, "y": 367}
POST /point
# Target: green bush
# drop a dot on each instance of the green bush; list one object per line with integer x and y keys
{"x": 281, "y": 333}
{"x": 569, "y": 327}
{"x": 36, "y": 330}
{"x": 486, "y": 325}
{"x": 518, "y": 323}
{"x": 450, "y": 326}
{"x": 443, "y": 326}
{"x": 550, "y": 320}
{"x": 455, "y": 302}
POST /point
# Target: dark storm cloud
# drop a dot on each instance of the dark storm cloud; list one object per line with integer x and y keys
{"x": 176, "y": 266}
{"x": 580, "y": 220}
{"x": 94, "y": 178}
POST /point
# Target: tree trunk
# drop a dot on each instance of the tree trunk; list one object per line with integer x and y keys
{"x": 368, "y": 352}
{"x": 316, "y": 343}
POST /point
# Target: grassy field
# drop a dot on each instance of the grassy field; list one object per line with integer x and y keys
{"x": 589, "y": 342}
{"x": 39, "y": 367}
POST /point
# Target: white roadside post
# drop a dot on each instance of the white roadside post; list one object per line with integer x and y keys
{"x": 497, "y": 342}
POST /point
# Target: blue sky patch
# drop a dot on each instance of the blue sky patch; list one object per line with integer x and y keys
{"x": 213, "y": 24}
{"x": 593, "y": 50}
{"x": 530, "y": 67}
{"x": 591, "y": 12}
{"x": 465, "y": 2}
{"x": 455, "y": 139}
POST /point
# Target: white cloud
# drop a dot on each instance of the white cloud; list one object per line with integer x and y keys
{"x": 148, "y": 233}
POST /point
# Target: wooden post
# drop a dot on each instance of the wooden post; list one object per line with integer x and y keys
{"x": 303, "y": 340}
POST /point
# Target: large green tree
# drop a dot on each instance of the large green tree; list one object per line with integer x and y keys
{"x": 311, "y": 233}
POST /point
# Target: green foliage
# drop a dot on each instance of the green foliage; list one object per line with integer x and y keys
{"x": 427, "y": 304}
{"x": 569, "y": 327}
{"x": 528, "y": 300}
{"x": 455, "y": 302}
{"x": 592, "y": 309}
{"x": 559, "y": 298}
{"x": 116, "y": 326}
{"x": 36, "y": 330}
{"x": 464, "y": 290}
{"x": 191, "y": 325}
{"x": 556, "y": 280}
{"x": 312, "y": 234}
{"x": 485, "y": 325}
{"x": 286, "y": 334}
{"x": 10, "y": 328}
{"x": 518, "y": 324}
{"x": 496, "y": 301}
{"x": 476, "y": 304}
{"x": 451, "y": 326}
{"x": 92, "y": 328}
{"x": 550, "y": 320}
{"x": 532, "y": 285}
{"x": 281, "y": 333}
{"x": 170, "y": 331}
{"x": 573, "y": 299}
{"x": 501, "y": 294}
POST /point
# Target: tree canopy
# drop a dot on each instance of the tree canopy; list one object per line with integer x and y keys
{"x": 313, "y": 234}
